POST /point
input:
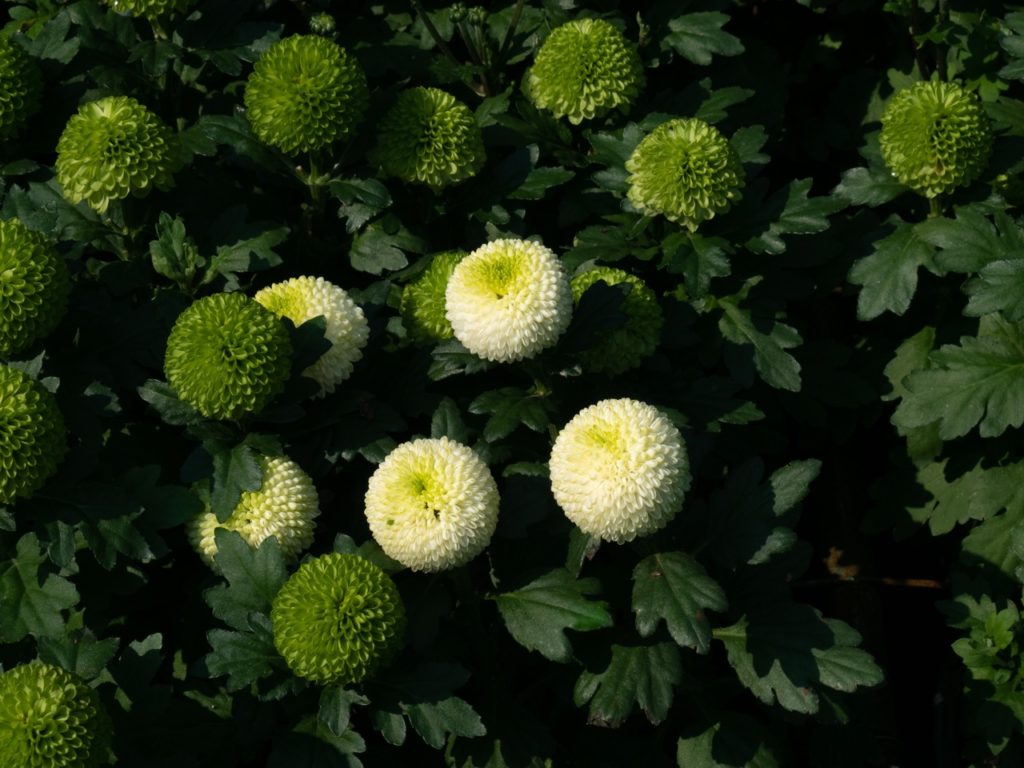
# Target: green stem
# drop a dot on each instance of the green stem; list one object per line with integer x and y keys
{"x": 313, "y": 180}
{"x": 512, "y": 24}
{"x": 935, "y": 207}
{"x": 432, "y": 31}
{"x": 940, "y": 48}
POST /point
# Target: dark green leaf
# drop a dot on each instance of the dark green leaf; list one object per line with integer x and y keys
{"x": 769, "y": 340}
{"x": 32, "y": 603}
{"x": 165, "y": 402}
{"x": 235, "y": 470}
{"x": 698, "y": 36}
{"x": 434, "y": 720}
{"x": 243, "y": 657}
{"x": 382, "y": 245}
{"x": 969, "y": 242}
{"x": 870, "y": 187}
{"x": 999, "y": 287}
{"x": 643, "y": 675}
{"x": 254, "y": 577}
{"x": 888, "y": 276}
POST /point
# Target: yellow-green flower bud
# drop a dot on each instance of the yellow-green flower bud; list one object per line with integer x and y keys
{"x": 34, "y": 287}
{"x": 423, "y": 302}
{"x": 337, "y": 619}
{"x": 935, "y": 137}
{"x": 149, "y": 9}
{"x": 33, "y": 439}
{"x": 304, "y": 93}
{"x": 585, "y": 69}
{"x": 49, "y": 718}
{"x": 227, "y": 356}
{"x": 685, "y": 170}
{"x": 113, "y": 148}
{"x": 429, "y": 137}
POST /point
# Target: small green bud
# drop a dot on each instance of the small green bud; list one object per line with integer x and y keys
{"x": 149, "y": 9}
{"x": 322, "y": 24}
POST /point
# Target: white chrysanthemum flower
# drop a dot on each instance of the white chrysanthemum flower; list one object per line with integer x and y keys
{"x": 508, "y": 300}
{"x": 303, "y": 298}
{"x": 619, "y": 470}
{"x": 286, "y": 506}
{"x": 432, "y": 504}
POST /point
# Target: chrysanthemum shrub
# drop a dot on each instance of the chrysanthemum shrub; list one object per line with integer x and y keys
{"x": 338, "y": 619}
{"x": 432, "y": 504}
{"x": 49, "y": 718}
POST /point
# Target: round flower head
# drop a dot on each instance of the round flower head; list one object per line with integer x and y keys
{"x": 32, "y": 435}
{"x": 619, "y": 470}
{"x": 112, "y": 148}
{"x": 626, "y": 347}
{"x": 34, "y": 287}
{"x": 935, "y": 137}
{"x": 304, "y": 93}
{"x": 303, "y": 298}
{"x": 423, "y": 304}
{"x": 337, "y": 619}
{"x": 149, "y": 9}
{"x": 432, "y": 504}
{"x": 227, "y": 356}
{"x": 429, "y": 137}
{"x": 21, "y": 87}
{"x": 284, "y": 506}
{"x": 585, "y": 69}
{"x": 508, "y": 300}
{"x": 686, "y": 170}
{"x": 49, "y": 718}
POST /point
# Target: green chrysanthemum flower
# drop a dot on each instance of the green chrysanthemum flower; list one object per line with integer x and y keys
{"x": 227, "y": 356}
{"x": 585, "y": 69}
{"x": 304, "y": 93}
{"x": 432, "y": 504}
{"x": 34, "y": 287}
{"x": 625, "y": 348}
{"x": 429, "y": 137}
{"x": 21, "y": 87}
{"x": 303, "y": 298}
{"x": 49, "y": 718}
{"x": 285, "y": 505}
{"x": 935, "y": 137}
{"x": 337, "y": 619}
{"x": 423, "y": 308}
{"x": 112, "y": 148}
{"x": 619, "y": 470}
{"x": 685, "y": 170}
{"x": 32, "y": 435}
{"x": 509, "y": 300}
{"x": 149, "y": 9}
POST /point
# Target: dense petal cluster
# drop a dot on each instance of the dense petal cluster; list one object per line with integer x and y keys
{"x": 935, "y": 137}
{"x": 303, "y": 298}
{"x": 585, "y": 69}
{"x": 227, "y": 356}
{"x": 337, "y": 619}
{"x": 432, "y": 504}
{"x": 508, "y": 300}
{"x": 304, "y": 93}
{"x": 49, "y": 718}
{"x": 429, "y": 137}
{"x": 34, "y": 287}
{"x": 33, "y": 439}
{"x": 149, "y": 9}
{"x": 285, "y": 506}
{"x": 20, "y": 87}
{"x": 113, "y": 148}
{"x": 619, "y": 470}
{"x": 423, "y": 302}
{"x": 626, "y": 347}
{"x": 685, "y": 170}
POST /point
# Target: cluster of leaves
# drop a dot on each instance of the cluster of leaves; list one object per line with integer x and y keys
{"x": 828, "y": 300}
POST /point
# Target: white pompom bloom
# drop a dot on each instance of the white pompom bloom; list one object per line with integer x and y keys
{"x": 432, "y": 504}
{"x": 619, "y": 470}
{"x": 303, "y": 298}
{"x": 508, "y": 300}
{"x": 286, "y": 506}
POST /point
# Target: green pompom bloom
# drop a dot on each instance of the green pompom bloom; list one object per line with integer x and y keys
{"x": 113, "y": 148}
{"x": 34, "y": 287}
{"x": 304, "y": 93}
{"x": 337, "y": 619}
{"x": 32, "y": 435}
{"x": 430, "y": 137}
{"x": 228, "y": 356}
{"x": 628, "y": 346}
{"x": 935, "y": 137}
{"x": 585, "y": 69}
{"x": 423, "y": 302}
{"x": 686, "y": 170}
{"x": 21, "y": 87}
{"x": 149, "y": 9}
{"x": 49, "y": 718}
